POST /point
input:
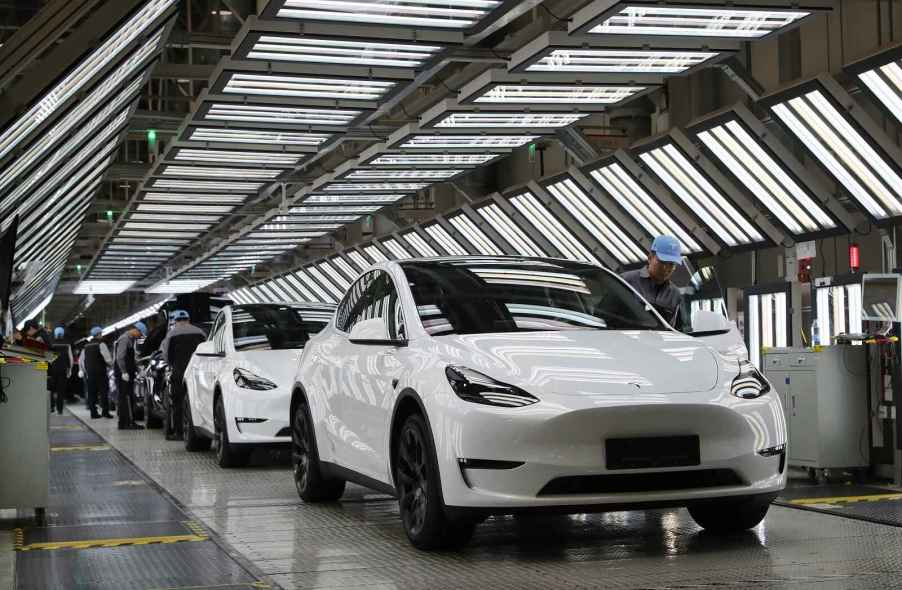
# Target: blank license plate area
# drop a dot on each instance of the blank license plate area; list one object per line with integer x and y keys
{"x": 652, "y": 452}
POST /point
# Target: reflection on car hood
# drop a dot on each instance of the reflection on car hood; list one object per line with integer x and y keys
{"x": 587, "y": 361}
{"x": 279, "y": 366}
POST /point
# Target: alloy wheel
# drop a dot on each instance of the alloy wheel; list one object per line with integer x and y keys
{"x": 412, "y": 478}
{"x": 300, "y": 450}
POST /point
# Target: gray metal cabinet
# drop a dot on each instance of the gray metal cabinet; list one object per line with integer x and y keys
{"x": 824, "y": 398}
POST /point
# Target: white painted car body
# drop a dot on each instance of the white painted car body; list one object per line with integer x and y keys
{"x": 592, "y": 385}
{"x": 253, "y": 417}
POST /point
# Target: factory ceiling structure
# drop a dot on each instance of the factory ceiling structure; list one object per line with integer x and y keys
{"x": 320, "y": 116}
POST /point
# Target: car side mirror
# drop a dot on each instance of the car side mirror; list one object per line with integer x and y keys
{"x": 207, "y": 348}
{"x": 373, "y": 331}
{"x": 705, "y": 323}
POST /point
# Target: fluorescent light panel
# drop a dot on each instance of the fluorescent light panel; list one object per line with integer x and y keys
{"x": 375, "y": 253}
{"x": 83, "y": 73}
{"x": 102, "y": 287}
{"x": 510, "y": 231}
{"x": 846, "y": 154}
{"x": 184, "y": 209}
{"x": 445, "y": 14}
{"x": 700, "y": 196}
{"x": 257, "y": 136}
{"x": 216, "y": 172}
{"x": 409, "y": 187}
{"x": 445, "y": 240}
{"x": 474, "y": 235}
{"x": 193, "y": 198}
{"x": 639, "y": 61}
{"x": 620, "y": 245}
{"x": 764, "y": 177}
{"x": 379, "y": 174}
{"x": 180, "y": 286}
{"x": 483, "y": 120}
{"x": 347, "y": 51}
{"x": 537, "y": 94}
{"x": 416, "y": 242}
{"x": 396, "y": 249}
{"x": 547, "y": 225}
{"x": 697, "y": 21}
{"x": 437, "y": 141}
{"x": 350, "y": 198}
{"x": 290, "y": 86}
{"x": 209, "y": 185}
{"x": 641, "y": 206}
{"x": 237, "y": 157}
{"x": 432, "y": 159}
{"x": 282, "y": 114}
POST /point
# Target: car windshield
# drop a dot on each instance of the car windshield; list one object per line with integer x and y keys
{"x": 489, "y": 296}
{"x": 275, "y": 327}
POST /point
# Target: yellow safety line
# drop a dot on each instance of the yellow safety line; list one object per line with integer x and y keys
{"x": 68, "y": 427}
{"x": 19, "y": 539}
{"x": 258, "y": 585}
{"x": 845, "y": 499}
{"x": 124, "y": 542}
{"x": 81, "y": 448}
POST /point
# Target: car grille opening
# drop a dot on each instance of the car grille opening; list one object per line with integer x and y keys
{"x": 623, "y": 483}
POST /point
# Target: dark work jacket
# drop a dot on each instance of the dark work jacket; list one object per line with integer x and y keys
{"x": 179, "y": 346}
{"x": 59, "y": 369}
{"x": 95, "y": 366}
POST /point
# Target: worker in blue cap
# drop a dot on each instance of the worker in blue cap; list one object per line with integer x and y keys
{"x": 126, "y": 368}
{"x": 653, "y": 280}
{"x": 177, "y": 348}
{"x": 97, "y": 359}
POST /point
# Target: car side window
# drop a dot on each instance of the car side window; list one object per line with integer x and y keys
{"x": 216, "y": 324}
{"x": 218, "y": 338}
{"x": 385, "y": 303}
{"x": 350, "y": 309}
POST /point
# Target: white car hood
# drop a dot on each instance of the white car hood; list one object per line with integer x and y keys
{"x": 279, "y": 366}
{"x": 587, "y": 362}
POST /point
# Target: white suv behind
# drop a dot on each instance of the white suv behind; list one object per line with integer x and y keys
{"x": 239, "y": 381}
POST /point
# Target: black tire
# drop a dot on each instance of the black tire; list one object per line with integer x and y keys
{"x": 417, "y": 481}
{"x": 228, "y": 455}
{"x": 151, "y": 420}
{"x": 730, "y": 515}
{"x": 193, "y": 440}
{"x": 309, "y": 480}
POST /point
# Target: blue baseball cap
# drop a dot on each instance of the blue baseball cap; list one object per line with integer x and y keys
{"x": 667, "y": 249}
{"x": 141, "y": 327}
{"x": 59, "y": 332}
{"x": 180, "y": 314}
{"x": 96, "y": 331}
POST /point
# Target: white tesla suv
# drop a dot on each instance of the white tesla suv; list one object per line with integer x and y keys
{"x": 239, "y": 381}
{"x": 474, "y": 386}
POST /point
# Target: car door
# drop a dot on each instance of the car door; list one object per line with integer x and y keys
{"x": 370, "y": 371}
{"x": 207, "y": 371}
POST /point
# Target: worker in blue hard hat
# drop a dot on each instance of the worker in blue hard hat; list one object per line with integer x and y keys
{"x": 126, "y": 369}
{"x": 178, "y": 347}
{"x": 97, "y": 360}
{"x": 653, "y": 280}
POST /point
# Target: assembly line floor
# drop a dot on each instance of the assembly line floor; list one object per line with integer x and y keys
{"x": 246, "y": 528}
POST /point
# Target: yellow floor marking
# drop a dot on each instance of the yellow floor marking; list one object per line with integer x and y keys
{"x": 124, "y": 542}
{"x": 847, "y": 499}
{"x": 258, "y": 585}
{"x": 67, "y": 428}
{"x": 81, "y": 448}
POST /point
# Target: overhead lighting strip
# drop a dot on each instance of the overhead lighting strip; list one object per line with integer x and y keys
{"x": 257, "y": 136}
{"x": 484, "y": 120}
{"x": 766, "y": 178}
{"x": 321, "y": 294}
{"x": 334, "y": 290}
{"x": 438, "y": 141}
{"x": 416, "y": 242}
{"x": 432, "y": 159}
{"x": 444, "y": 14}
{"x": 216, "y": 172}
{"x": 351, "y": 198}
{"x": 334, "y": 275}
{"x": 700, "y": 196}
{"x": 445, "y": 240}
{"x": 367, "y": 174}
{"x": 474, "y": 235}
{"x": 641, "y": 206}
{"x": 510, "y": 231}
{"x": 639, "y": 61}
{"x": 375, "y": 253}
{"x": 83, "y": 73}
{"x": 358, "y": 259}
{"x": 307, "y": 87}
{"x": 396, "y": 249}
{"x": 843, "y": 151}
{"x": 616, "y": 241}
{"x": 547, "y": 225}
{"x": 698, "y": 22}
{"x": 539, "y": 94}
{"x": 280, "y": 115}
{"x": 237, "y": 157}
{"x": 324, "y": 50}
{"x": 207, "y": 185}
{"x": 343, "y": 265}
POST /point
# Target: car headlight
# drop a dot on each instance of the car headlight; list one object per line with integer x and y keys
{"x": 247, "y": 380}
{"x": 475, "y": 387}
{"x": 749, "y": 383}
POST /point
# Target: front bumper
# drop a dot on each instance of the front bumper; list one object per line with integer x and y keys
{"x": 258, "y": 417}
{"x": 561, "y": 444}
